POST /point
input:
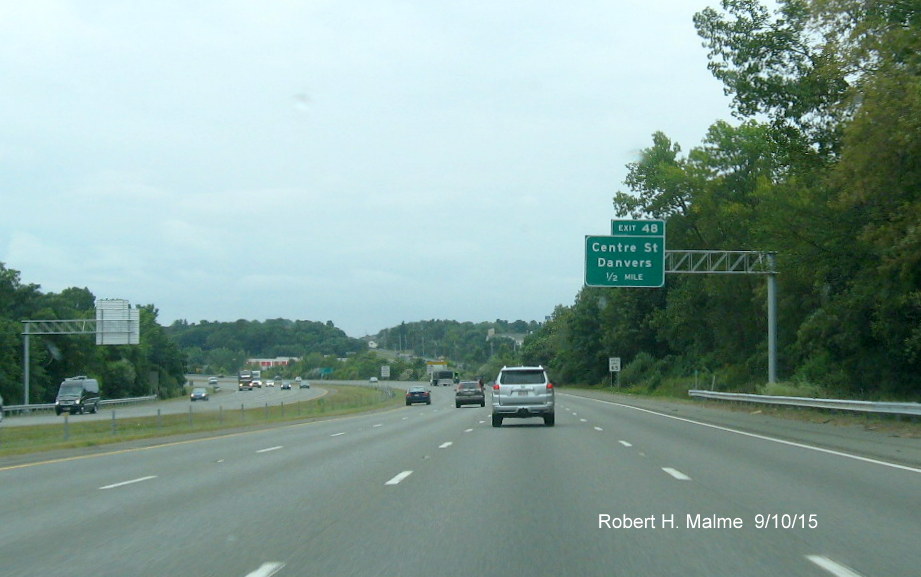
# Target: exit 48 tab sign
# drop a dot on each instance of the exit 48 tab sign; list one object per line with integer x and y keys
{"x": 633, "y": 256}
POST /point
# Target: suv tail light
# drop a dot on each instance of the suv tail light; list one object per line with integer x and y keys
{"x": 495, "y": 387}
{"x": 549, "y": 385}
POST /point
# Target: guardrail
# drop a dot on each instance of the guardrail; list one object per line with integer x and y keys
{"x": 50, "y": 406}
{"x": 913, "y": 409}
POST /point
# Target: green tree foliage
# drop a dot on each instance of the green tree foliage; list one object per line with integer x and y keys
{"x": 824, "y": 168}
{"x": 466, "y": 345}
{"x": 223, "y": 347}
{"x": 777, "y": 65}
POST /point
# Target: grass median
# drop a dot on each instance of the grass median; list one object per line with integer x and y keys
{"x": 76, "y": 433}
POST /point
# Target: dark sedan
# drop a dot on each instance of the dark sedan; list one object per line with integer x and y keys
{"x": 469, "y": 393}
{"x": 418, "y": 395}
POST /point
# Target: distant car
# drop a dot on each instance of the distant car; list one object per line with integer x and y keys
{"x": 286, "y": 385}
{"x": 270, "y": 383}
{"x": 246, "y": 386}
{"x": 257, "y": 384}
{"x": 302, "y": 384}
{"x": 372, "y": 380}
{"x": 199, "y": 394}
{"x": 469, "y": 393}
{"x": 212, "y": 381}
{"x": 418, "y": 395}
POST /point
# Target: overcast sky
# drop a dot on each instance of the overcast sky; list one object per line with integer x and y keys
{"x": 361, "y": 162}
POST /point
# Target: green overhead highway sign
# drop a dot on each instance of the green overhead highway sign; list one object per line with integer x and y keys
{"x": 634, "y": 256}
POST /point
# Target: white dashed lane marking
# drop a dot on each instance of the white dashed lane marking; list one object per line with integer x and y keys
{"x": 835, "y": 569}
{"x": 676, "y": 474}
{"x": 397, "y": 479}
{"x": 266, "y": 570}
{"x": 131, "y": 482}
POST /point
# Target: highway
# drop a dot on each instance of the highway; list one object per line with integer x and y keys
{"x": 611, "y": 490}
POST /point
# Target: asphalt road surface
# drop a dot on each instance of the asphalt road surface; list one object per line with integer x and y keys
{"x": 611, "y": 490}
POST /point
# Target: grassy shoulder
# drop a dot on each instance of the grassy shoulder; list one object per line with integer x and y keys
{"x": 82, "y": 434}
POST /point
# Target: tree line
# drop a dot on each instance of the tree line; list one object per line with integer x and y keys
{"x": 823, "y": 166}
{"x": 214, "y": 347}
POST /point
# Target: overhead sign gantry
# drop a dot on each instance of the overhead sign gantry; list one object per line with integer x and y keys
{"x": 634, "y": 255}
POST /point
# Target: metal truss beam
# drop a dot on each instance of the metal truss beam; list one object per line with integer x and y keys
{"x": 60, "y": 327}
{"x": 719, "y": 262}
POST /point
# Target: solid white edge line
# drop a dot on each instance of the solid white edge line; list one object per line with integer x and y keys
{"x": 270, "y": 449}
{"x": 835, "y": 569}
{"x": 766, "y": 438}
{"x": 396, "y": 480}
{"x": 266, "y": 570}
{"x": 131, "y": 482}
{"x": 676, "y": 474}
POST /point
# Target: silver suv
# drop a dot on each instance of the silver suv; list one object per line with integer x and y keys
{"x": 522, "y": 392}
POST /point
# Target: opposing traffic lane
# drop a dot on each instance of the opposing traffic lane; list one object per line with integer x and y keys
{"x": 224, "y": 400}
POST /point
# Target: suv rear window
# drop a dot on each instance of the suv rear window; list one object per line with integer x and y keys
{"x": 535, "y": 377}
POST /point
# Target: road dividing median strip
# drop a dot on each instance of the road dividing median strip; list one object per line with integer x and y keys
{"x": 676, "y": 474}
{"x": 131, "y": 482}
{"x": 396, "y": 480}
